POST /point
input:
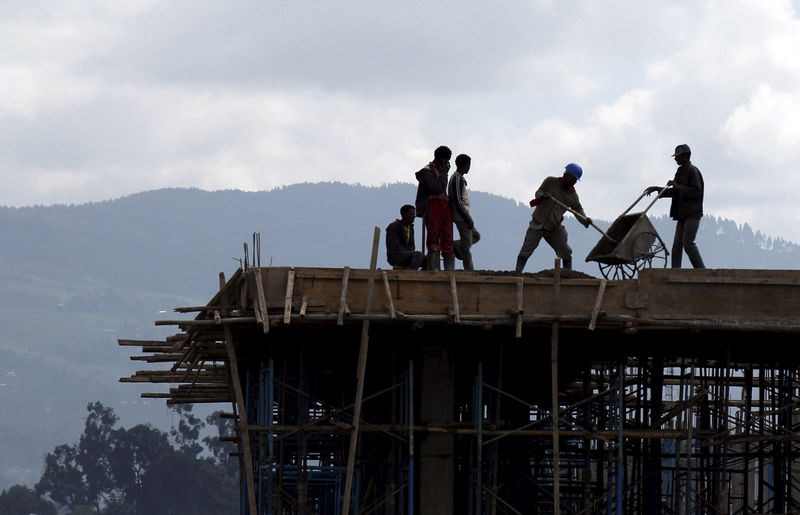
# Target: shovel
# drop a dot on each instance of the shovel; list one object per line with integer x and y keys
{"x": 582, "y": 217}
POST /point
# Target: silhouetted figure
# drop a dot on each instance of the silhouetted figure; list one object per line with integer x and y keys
{"x": 686, "y": 191}
{"x": 459, "y": 205}
{"x": 548, "y": 215}
{"x": 434, "y": 208}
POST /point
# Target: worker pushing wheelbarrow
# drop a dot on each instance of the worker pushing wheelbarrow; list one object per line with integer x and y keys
{"x": 631, "y": 244}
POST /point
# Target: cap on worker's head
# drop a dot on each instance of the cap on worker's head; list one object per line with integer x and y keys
{"x": 682, "y": 149}
{"x": 575, "y": 170}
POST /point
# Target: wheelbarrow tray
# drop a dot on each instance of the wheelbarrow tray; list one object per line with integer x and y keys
{"x": 633, "y": 234}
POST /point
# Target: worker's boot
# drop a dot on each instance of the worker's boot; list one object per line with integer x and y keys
{"x": 521, "y": 264}
{"x": 433, "y": 261}
{"x": 449, "y": 261}
{"x": 468, "y": 262}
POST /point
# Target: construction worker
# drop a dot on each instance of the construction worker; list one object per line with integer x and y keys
{"x": 686, "y": 191}
{"x": 433, "y": 207}
{"x": 548, "y": 215}
{"x": 459, "y": 206}
{"x": 400, "y": 249}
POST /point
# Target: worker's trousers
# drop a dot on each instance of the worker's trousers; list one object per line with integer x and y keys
{"x": 685, "y": 233}
{"x": 439, "y": 223}
{"x": 463, "y": 246}
{"x": 408, "y": 259}
{"x": 557, "y": 239}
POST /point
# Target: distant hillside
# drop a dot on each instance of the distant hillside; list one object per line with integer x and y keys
{"x": 174, "y": 240}
{"x": 78, "y": 277}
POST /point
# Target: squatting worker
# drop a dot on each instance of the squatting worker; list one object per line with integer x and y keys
{"x": 459, "y": 204}
{"x": 434, "y": 208}
{"x": 400, "y": 248}
{"x": 686, "y": 190}
{"x": 548, "y": 215}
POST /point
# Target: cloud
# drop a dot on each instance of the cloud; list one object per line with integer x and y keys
{"x": 766, "y": 129}
{"x": 99, "y": 100}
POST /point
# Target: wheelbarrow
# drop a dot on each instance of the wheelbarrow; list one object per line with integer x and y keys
{"x": 631, "y": 244}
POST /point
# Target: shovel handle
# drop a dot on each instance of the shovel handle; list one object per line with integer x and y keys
{"x": 583, "y": 217}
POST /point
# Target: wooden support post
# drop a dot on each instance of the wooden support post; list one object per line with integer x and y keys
{"x": 237, "y": 388}
{"x": 597, "y": 302}
{"x": 362, "y": 367}
{"x": 304, "y": 306}
{"x": 478, "y": 410}
{"x": 554, "y": 387}
{"x": 343, "y": 298}
{"x": 287, "y": 310}
{"x": 520, "y": 284}
{"x": 243, "y": 294}
{"x": 386, "y": 287}
{"x": 454, "y": 297}
{"x": 262, "y": 314}
{"x": 221, "y": 281}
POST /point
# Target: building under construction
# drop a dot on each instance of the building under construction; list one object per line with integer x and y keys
{"x": 388, "y": 392}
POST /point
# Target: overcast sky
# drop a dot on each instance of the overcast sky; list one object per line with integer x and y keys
{"x": 101, "y": 99}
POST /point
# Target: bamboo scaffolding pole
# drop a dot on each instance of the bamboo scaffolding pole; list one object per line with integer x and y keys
{"x": 520, "y": 310}
{"x": 262, "y": 312}
{"x": 598, "y": 301}
{"x": 287, "y": 309}
{"x": 554, "y": 389}
{"x": 139, "y": 343}
{"x": 303, "y": 307}
{"x": 167, "y": 379}
{"x": 454, "y": 298}
{"x": 240, "y": 405}
{"x": 209, "y": 400}
{"x": 361, "y": 371}
{"x": 388, "y": 291}
{"x": 543, "y": 434}
{"x": 207, "y": 308}
{"x": 343, "y": 297}
{"x": 614, "y": 321}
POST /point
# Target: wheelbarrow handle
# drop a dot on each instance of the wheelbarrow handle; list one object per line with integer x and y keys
{"x": 660, "y": 192}
{"x": 583, "y": 217}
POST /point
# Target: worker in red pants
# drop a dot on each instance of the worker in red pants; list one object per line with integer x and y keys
{"x": 433, "y": 207}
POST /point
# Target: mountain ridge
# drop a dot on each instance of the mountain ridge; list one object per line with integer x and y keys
{"x": 77, "y": 277}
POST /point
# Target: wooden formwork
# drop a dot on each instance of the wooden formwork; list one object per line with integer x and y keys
{"x": 622, "y": 336}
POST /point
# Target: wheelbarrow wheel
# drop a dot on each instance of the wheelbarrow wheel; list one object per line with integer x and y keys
{"x": 649, "y": 251}
{"x": 617, "y": 272}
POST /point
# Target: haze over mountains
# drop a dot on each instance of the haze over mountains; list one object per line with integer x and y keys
{"x": 76, "y": 278}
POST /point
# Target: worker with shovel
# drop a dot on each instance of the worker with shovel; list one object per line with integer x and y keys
{"x": 554, "y": 197}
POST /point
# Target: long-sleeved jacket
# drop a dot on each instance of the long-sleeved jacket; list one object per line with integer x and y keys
{"x": 687, "y": 195}
{"x": 430, "y": 185}
{"x": 548, "y": 215}
{"x": 396, "y": 242}
{"x": 459, "y": 198}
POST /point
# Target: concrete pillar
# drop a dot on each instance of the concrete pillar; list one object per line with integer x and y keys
{"x": 437, "y": 406}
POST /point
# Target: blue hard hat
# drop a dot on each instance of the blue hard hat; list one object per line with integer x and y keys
{"x": 575, "y": 170}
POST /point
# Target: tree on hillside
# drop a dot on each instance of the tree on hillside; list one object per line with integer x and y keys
{"x": 80, "y": 475}
{"x": 188, "y": 432}
{"x": 222, "y": 449}
{"x": 94, "y": 453}
{"x": 21, "y": 500}
{"x": 63, "y": 479}
{"x": 180, "y": 484}
{"x": 118, "y": 471}
{"x": 136, "y": 451}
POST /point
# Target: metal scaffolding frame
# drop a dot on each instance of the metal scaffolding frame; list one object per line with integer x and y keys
{"x": 470, "y": 416}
